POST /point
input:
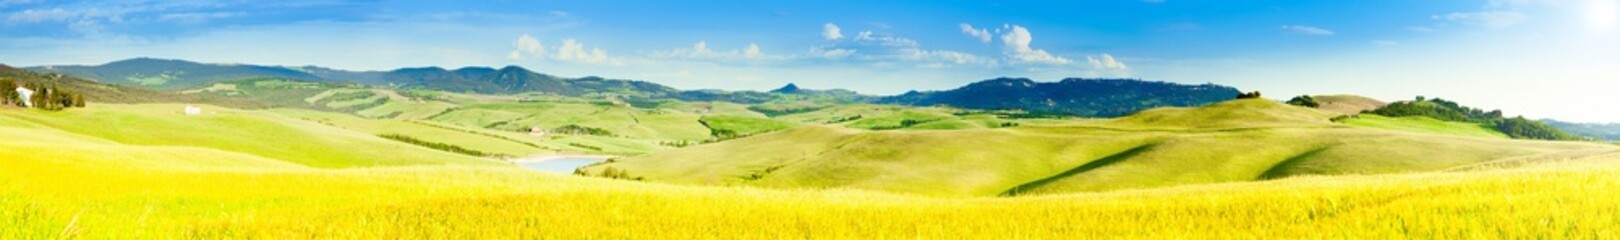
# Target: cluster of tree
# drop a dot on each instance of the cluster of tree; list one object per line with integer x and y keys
{"x": 1438, "y": 109}
{"x": 583, "y": 146}
{"x": 677, "y": 144}
{"x": 572, "y": 129}
{"x": 1249, "y": 95}
{"x": 1519, "y": 127}
{"x": 905, "y": 123}
{"x": 1603, "y": 131}
{"x": 1304, "y": 101}
{"x": 434, "y": 145}
{"x": 774, "y": 111}
{"x": 610, "y": 172}
{"x": 844, "y": 119}
{"x": 1441, "y": 109}
{"x": 45, "y": 96}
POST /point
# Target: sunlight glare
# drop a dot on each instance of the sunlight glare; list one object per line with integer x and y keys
{"x": 1603, "y": 15}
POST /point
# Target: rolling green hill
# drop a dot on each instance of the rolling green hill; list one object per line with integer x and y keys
{"x": 261, "y": 134}
{"x": 1068, "y": 97}
{"x": 1234, "y": 141}
{"x": 1515, "y": 127}
{"x": 58, "y": 183}
{"x": 1422, "y": 124}
{"x": 1347, "y": 104}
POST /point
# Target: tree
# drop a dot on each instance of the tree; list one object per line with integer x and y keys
{"x": 1249, "y": 95}
{"x": 1304, "y": 101}
{"x": 78, "y": 100}
{"x": 1521, "y": 128}
{"x": 8, "y": 92}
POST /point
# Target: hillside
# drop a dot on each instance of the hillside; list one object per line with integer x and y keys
{"x": 64, "y": 184}
{"x": 1347, "y": 104}
{"x": 167, "y": 74}
{"x": 1069, "y": 97}
{"x": 95, "y": 92}
{"x": 1423, "y": 124}
{"x": 1234, "y": 141}
{"x": 259, "y": 134}
{"x": 1603, "y": 131}
{"x": 1441, "y": 109}
{"x": 1073, "y": 96}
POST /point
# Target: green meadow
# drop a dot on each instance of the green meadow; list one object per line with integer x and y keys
{"x": 336, "y": 153}
{"x": 208, "y": 176}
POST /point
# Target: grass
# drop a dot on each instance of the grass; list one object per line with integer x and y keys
{"x": 1347, "y": 104}
{"x": 744, "y": 125}
{"x": 61, "y": 183}
{"x": 250, "y": 132}
{"x": 1237, "y": 141}
{"x": 521, "y": 145}
{"x": 1424, "y": 125}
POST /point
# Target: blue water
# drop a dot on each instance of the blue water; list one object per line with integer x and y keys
{"x": 561, "y": 166}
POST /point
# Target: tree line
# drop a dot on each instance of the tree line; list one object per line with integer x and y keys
{"x": 44, "y": 96}
{"x": 1515, "y": 127}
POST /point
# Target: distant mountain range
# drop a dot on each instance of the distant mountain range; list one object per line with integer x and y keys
{"x": 1072, "y": 97}
{"x": 166, "y": 74}
{"x": 97, "y": 92}
{"x": 1601, "y": 131}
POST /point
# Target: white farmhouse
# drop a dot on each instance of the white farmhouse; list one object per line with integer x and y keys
{"x": 193, "y": 110}
{"x": 24, "y": 94}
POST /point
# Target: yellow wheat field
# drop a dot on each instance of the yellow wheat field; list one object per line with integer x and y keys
{"x": 46, "y": 199}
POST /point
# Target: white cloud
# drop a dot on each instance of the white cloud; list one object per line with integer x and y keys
{"x": 4, "y": 3}
{"x": 830, "y": 31}
{"x": 37, "y": 16}
{"x": 982, "y": 34}
{"x": 752, "y": 52}
{"x": 1307, "y": 30}
{"x": 1420, "y": 29}
{"x": 1516, "y": 3}
{"x": 831, "y": 53}
{"x": 885, "y": 40}
{"x": 526, "y": 45}
{"x": 1385, "y": 43}
{"x": 701, "y": 51}
{"x": 1106, "y": 61}
{"x": 1106, "y": 65}
{"x": 198, "y": 17}
{"x": 573, "y": 51}
{"x": 1493, "y": 19}
{"x": 943, "y": 56}
{"x": 1017, "y": 41}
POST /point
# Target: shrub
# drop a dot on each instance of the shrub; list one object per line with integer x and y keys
{"x": 1304, "y": 101}
{"x": 433, "y": 145}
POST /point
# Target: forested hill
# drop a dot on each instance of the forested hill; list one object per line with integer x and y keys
{"x": 77, "y": 92}
{"x": 1072, "y": 96}
{"x": 1516, "y": 127}
{"x": 168, "y": 74}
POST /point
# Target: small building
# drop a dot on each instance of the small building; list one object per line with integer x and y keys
{"x": 193, "y": 110}
{"x": 24, "y": 94}
{"x": 537, "y": 131}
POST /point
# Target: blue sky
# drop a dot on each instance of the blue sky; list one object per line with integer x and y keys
{"x": 1540, "y": 58}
